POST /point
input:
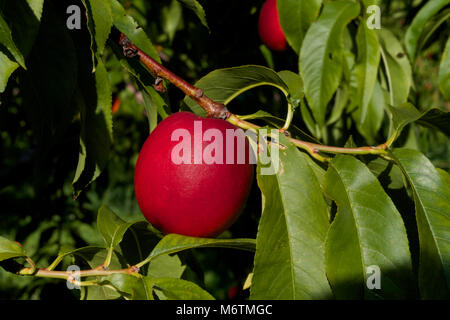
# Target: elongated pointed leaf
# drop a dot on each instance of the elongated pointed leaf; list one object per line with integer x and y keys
{"x": 128, "y": 26}
{"x": 296, "y": 17}
{"x": 111, "y": 227}
{"x": 96, "y": 130}
{"x": 431, "y": 190}
{"x": 36, "y": 6}
{"x": 178, "y": 289}
{"x": 321, "y": 55}
{"x": 195, "y": 6}
{"x": 295, "y": 86}
{"x": 367, "y": 231}
{"x": 173, "y": 243}
{"x": 7, "y": 67}
{"x": 99, "y": 22}
{"x": 7, "y": 41}
{"x": 10, "y": 249}
{"x": 417, "y": 26}
{"x": 290, "y": 258}
{"x": 24, "y": 20}
{"x": 407, "y": 113}
{"x": 131, "y": 287}
{"x": 444, "y": 72}
{"x": 397, "y": 67}
{"x": 223, "y": 85}
{"x": 366, "y": 68}
{"x": 375, "y": 113}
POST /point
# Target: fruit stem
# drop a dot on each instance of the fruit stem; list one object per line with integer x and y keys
{"x": 218, "y": 110}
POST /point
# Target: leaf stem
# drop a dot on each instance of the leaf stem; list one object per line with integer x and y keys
{"x": 289, "y": 116}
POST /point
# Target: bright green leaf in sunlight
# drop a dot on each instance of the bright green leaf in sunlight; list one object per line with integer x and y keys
{"x": 128, "y": 26}
{"x": 321, "y": 55}
{"x": 290, "y": 257}
{"x": 367, "y": 234}
{"x": 296, "y": 17}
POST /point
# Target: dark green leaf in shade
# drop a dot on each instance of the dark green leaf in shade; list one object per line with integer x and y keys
{"x": 223, "y": 85}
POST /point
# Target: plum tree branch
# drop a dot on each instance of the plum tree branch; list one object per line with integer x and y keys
{"x": 218, "y": 110}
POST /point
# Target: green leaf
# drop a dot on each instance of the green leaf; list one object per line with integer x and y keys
{"x": 173, "y": 243}
{"x": 99, "y": 293}
{"x": 10, "y": 249}
{"x": 96, "y": 130}
{"x": 436, "y": 118}
{"x": 375, "y": 113}
{"x": 128, "y": 26}
{"x": 295, "y": 86}
{"x": 414, "y": 31}
{"x": 407, "y": 113}
{"x": 7, "y": 41}
{"x": 195, "y": 6}
{"x": 166, "y": 266}
{"x": 389, "y": 175}
{"x": 172, "y": 17}
{"x": 7, "y": 67}
{"x": 296, "y": 16}
{"x": 223, "y": 85}
{"x": 367, "y": 231}
{"x": 290, "y": 258}
{"x": 151, "y": 109}
{"x": 99, "y": 22}
{"x": 24, "y": 22}
{"x": 321, "y": 55}
{"x": 397, "y": 67}
{"x": 366, "y": 69}
{"x": 111, "y": 227}
{"x": 340, "y": 102}
{"x": 431, "y": 191}
{"x": 178, "y": 289}
{"x": 278, "y": 123}
{"x": 444, "y": 72}
{"x": 36, "y": 6}
{"x": 131, "y": 287}
{"x": 95, "y": 257}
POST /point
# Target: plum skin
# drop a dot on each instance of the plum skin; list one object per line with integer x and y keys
{"x": 269, "y": 27}
{"x": 200, "y": 200}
